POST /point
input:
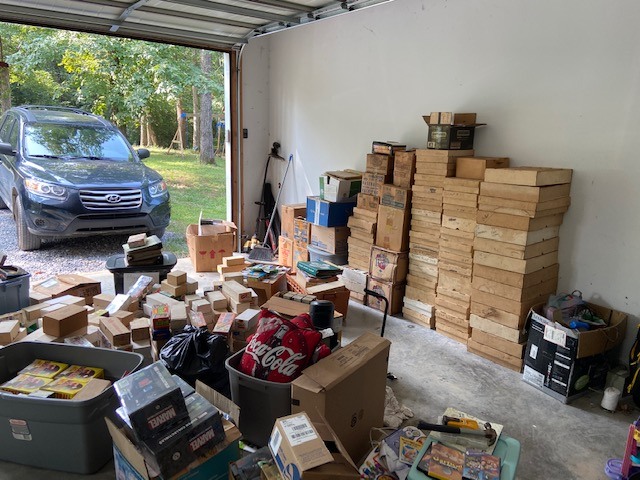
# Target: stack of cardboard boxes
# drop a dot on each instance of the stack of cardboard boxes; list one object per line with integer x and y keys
{"x": 432, "y": 167}
{"x": 290, "y": 251}
{"x": 460, "y": 208}
{"x": 515, "y": 263}
{"x": 389, "y": 258}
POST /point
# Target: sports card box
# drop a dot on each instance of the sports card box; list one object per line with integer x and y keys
{"x": 151, "y": 399}
{"x": 43, "y": 368}
{"x": 175, "y": 448}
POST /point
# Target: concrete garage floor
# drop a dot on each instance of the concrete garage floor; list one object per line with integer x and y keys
{"x": 559, "y": 442}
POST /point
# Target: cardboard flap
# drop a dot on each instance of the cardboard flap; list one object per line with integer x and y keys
{"x": 332, "y": 369}
{"x": 307, "y": 383}
{"x": 327, "y": 433}
{"x": 219, "y": 401}
{"x": 344, "y": 174}
{"x": 74, "y": 279}
{"x": 128, "y": 449}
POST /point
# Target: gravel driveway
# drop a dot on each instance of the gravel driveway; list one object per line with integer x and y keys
{"x": 69, "y": 255}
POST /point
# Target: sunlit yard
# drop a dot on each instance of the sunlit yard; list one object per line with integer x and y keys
{"x": 193, "y": 187}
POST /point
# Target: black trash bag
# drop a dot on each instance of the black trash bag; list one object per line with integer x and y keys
{"x": 196, "y": 354}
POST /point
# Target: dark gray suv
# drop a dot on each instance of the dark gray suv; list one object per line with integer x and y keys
{"x": 65, "y": 172}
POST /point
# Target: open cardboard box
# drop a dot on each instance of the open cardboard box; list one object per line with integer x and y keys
{"x": 305, "y": 450}
{"x": 129, "y": 459}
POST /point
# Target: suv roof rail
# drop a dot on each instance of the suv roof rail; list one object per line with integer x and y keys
{"x": 28, "y": 108}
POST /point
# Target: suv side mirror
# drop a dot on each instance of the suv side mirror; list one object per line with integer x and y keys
{"x": 7, "y": 149}
{"x": 143, "y": 153}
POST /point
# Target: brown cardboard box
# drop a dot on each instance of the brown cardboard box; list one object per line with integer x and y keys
{"x": 9, "y": 330}
{"x": 393, "y": 228}
{"x": 217, "y": 300}
{"x": 70, "y": 284}
{"x": 236, "y": 291}
{"x": 378, "y": 163}
{"x": 176, "y": 278}
{"x": 102, "y": 301}
{"x": 115, "y": 331}
{"x": 301, "y": 232}
{"x": 330, "y": 239}
{"x": 372, "y": 183}
{"x": 285, "y": 251}
{"x": 268, "y": 288}
{"x": 298, "y": 444}
{"x": 300, "y": 254}
{"x": 173, "y": 290}
{"x": 288, "y": 214}
{"x": 529, "y": 176}
{"x": 404, "y": 169}
{"x": 334, "y": 292}
{"x": 394, "y": 293}
{"x": 64, "y": 321}
{"x": 125, "y": 317}
{"x": 368, "y": 202}
{"x": 388, "y": 265}
{"x": 209, "y": 244}
{"x": 353, "y": 379}
{"x": 474, "y": 167}
{"x": 397, "y": 197}
{"x": 140, "y": 329}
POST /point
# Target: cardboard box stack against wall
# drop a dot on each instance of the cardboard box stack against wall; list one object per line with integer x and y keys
{"x": 455, "y": 254}
{"x": 515, "y": 259}
{"x": 382, "y": 248}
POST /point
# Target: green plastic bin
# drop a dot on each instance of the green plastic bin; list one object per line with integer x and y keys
{"x": 56, "y": 434}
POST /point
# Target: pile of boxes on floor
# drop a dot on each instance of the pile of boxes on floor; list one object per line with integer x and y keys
{"x": 302, "y": 240}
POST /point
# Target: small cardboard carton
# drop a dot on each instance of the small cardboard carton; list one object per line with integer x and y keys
{"x": 393, "y": 228}
{"x": 285, "y": 251}
{"x": 330, "y": 239}
{"x": 288, "y": 214}
{"x": 353, "y": 379}
{"x": 388, "y": 265}
{"x": 300, "y": 450}
{"x": 70, "y": 284}
{"x": 209, "y": 244}
{"x": 301, "y": 232}
{"x": 65, "y": 320}
{"x": 340, "y": 186}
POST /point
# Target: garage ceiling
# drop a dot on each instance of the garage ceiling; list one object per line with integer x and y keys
{"x": 213, "y": 24}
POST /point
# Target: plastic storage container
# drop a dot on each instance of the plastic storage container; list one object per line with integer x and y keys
{"x": 317, "y": 255}
{"x": 14, "y": 294}
{"x": 260, "y": 402}
{"x": 117, "y": 265}
{"x": 56, "y": 434}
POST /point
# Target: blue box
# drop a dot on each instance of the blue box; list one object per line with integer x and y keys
{"x": 329, "y": 214}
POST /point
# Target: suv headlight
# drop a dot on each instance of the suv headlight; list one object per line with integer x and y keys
{"x": 158, "y": 189}
{"x": 45, "y": 189}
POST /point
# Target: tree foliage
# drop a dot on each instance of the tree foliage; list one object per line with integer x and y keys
{"x": 120, "y": 79}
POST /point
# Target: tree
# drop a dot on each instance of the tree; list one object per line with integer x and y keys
{"x": 5, "y": 87}
{"x": 207, "y": 152}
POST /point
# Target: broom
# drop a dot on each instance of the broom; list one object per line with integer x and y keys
{"x": 260, "y": 253}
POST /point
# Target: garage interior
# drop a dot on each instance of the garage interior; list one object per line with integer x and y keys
{"x": 556, "y": 86}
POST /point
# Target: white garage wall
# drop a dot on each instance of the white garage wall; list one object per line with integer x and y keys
{"x": 558, "y": 84}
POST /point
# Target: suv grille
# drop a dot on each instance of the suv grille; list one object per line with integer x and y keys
{"x": 111, "y": 199}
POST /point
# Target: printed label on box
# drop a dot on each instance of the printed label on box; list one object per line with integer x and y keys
{"x": 276, "y": 440}
{"x": 534, "y": 352}
{"x": 555, "y": 335}
{"x": 20, "y": 429}
{"x": 532, "y": 376}
{"x": 298, "y": 430}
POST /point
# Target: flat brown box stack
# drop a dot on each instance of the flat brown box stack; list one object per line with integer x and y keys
{"x": 432, "y": 168}
{"x": 515, "y": 260}
{"x": 455, "y": 257}
{"x": 362, "y": 224}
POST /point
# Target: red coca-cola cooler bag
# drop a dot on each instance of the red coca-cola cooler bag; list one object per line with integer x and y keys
{"x": 280, "y": 349}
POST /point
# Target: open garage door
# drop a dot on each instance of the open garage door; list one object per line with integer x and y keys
{"x": 222, "y": 25}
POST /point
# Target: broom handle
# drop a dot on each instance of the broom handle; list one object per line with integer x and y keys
{"x": 275, "y": 206}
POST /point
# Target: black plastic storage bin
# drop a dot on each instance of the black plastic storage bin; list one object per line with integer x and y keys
{"x": 261, "y": 402}
{"x": 14, "y": 294}
{"x": 65, "y": 435}
{"x": 116, "y": 264}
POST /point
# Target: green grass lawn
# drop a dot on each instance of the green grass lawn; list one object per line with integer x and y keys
{"x": 193, "y": 187}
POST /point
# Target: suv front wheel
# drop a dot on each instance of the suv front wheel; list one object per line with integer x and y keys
{"x": 26, "y": 239}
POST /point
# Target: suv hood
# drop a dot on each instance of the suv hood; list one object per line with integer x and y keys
{"x": 91, "y": 173}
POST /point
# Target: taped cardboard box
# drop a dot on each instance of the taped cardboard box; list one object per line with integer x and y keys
{"x": 301, "y": 446}
{"x": 340, "y": 186}
{"x": 388, "y": 265}
{"x": 330, "y": 239}
{"x": 209, "y": 244}
{"x": 353, "y": 379}
{"x": 288, "y": 214}
{"x": 393, "y": 292}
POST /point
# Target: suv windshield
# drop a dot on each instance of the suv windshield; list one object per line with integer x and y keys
{"x": 75, "y": 142}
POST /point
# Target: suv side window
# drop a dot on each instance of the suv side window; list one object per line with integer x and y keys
{"x": 6, "y": 131}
